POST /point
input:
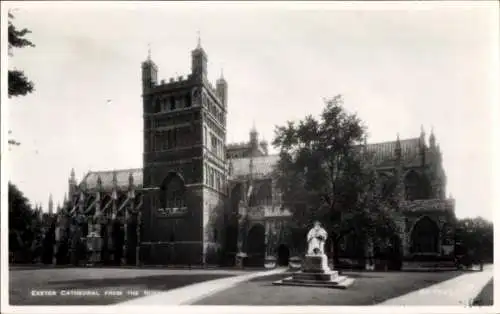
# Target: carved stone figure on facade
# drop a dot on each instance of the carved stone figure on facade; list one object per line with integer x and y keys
{"x": 316, "y": 238}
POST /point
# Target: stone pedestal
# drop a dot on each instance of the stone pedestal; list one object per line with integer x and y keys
{"x": 316, "y": 264}
{"x": 295, "y": 263}
{"x": 316, "y": 273}
{"x": 270, "y": 262}
{"x": 240, "y": 259}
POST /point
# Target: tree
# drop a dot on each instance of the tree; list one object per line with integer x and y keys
{"x": 19, "y": 85}
{"x": 324, "y": 173}
{"x": 24, "y": 223}
{"x": 475, "y": 238}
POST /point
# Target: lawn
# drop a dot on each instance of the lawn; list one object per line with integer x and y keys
{"x": 112, "y": 285}
{"x": 369, "y": 288}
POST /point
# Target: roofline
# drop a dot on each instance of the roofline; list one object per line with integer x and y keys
{"x": 118, "y": 170}
{"x": 401, "y": 140}
{"x": 255, "y": 157}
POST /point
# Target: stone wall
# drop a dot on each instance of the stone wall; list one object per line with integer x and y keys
{"x": 213, "y": 224}
{"x": 173, "y": 238}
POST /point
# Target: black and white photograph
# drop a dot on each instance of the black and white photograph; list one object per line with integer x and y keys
{"x": 291, "y": 154}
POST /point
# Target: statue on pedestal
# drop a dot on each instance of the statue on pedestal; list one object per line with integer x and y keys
{"x": 315, "y": 270}
{"x": 316, "y": 259}
{"x": 316, "y": 238}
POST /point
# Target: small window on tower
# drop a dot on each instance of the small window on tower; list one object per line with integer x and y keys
{"x": 163, "y": 105}
{"x": 174, "y": 137}
{"x": 157, "y": 143}
{"x": 214, "y": 144}
{"x": 212, "y": 178}
{"x": 172, "y": 103}
{"x": 162, "y": 145}
{"x": 157, "y": 105}
{"x": 206, "y": 174}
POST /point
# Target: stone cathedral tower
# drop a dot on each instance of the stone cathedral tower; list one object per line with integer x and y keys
{"x": 185, "y": 173}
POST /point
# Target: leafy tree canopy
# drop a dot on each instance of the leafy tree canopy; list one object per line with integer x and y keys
{"x": 24, "y": 222}
{"x": 19, "y": 85}
{"x": 324, "y": 173}
{"x": 475, "y": 236}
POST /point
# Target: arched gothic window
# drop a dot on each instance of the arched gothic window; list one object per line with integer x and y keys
{"x": 236, "y": 197}
{"x": 265, "y": 194}
{"x": 412, "y": 183}
{"x": 157, "y": 107}
{"x": 172, "y": 103}
{"x": 262, "y": 195}
{"x": 417, "y": 186}
{"x": 387, "y": 186}
{"x": 173, "y": 190}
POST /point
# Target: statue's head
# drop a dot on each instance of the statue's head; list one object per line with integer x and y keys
{"x": 317, "y": 224}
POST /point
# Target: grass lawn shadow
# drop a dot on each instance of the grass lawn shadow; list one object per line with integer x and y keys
{"x": 141, "y": 285}
{"x": 369, "y": 288}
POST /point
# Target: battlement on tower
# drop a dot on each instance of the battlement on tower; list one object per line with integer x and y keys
{"x": 173, "y": 83}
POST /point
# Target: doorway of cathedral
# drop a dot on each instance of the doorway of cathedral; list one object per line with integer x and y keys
{"x": 394, "y": 254}
{"x": 256, "y": 247}
{"x": 283, "y": 255}
{"x": 425, "y": 237}
{"x": 231, "y": 247}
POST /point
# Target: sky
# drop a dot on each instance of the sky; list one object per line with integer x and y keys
{"x": 398, "y": 66}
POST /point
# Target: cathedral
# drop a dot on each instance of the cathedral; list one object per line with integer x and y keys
{"x": 200, "y": 201}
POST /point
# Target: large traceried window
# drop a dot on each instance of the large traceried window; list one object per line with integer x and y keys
{"x": 411, "y": 185}
{"x": 417, "y": 186}
{"x": 263, "y": 195}
{"x": 214, "y": 143}
{"x": 173, "y": 190}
